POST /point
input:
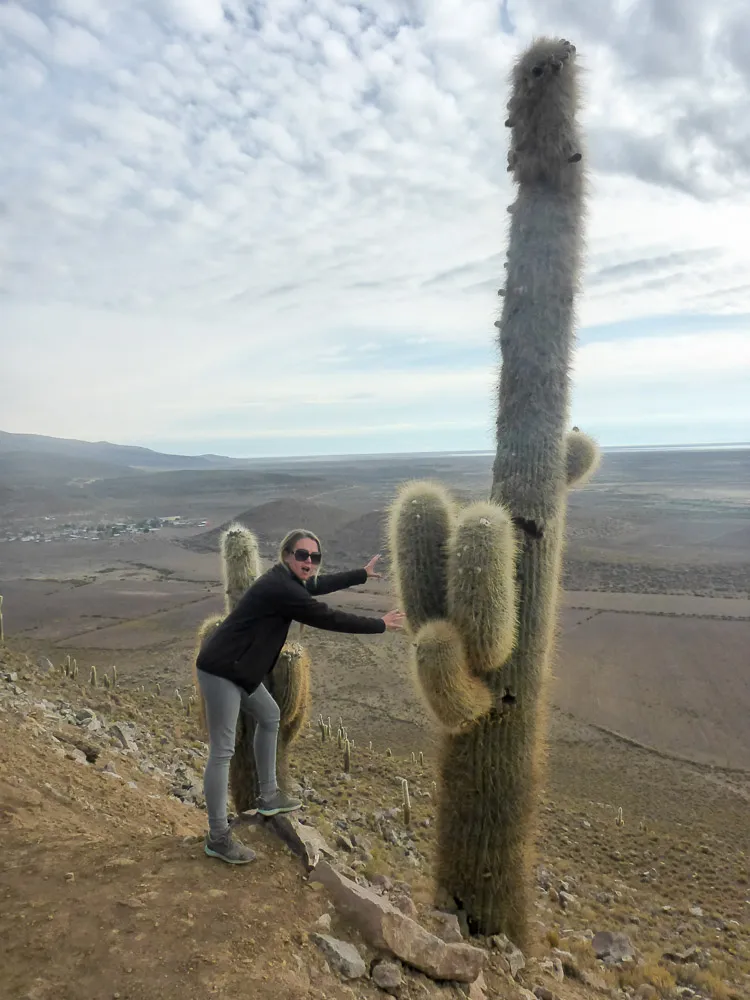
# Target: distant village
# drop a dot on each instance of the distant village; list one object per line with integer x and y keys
{"x": 50, "y": 531}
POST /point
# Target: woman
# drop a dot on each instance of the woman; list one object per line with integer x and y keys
{"x": 236, "y": 658}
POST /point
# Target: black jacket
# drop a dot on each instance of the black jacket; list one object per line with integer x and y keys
{"x": 245, "y": 647}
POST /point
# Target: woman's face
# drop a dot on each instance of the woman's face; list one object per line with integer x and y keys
{"x": 299, "y": 561}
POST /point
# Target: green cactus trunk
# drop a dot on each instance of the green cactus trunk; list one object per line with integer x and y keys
{"x": 483, "y": 670}
{"x": 486, "y": 820}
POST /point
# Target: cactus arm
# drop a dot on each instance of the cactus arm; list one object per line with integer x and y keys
{"x": 452, "y": 694}
{"x": 582, "y": 458}
{"x": 419, "y": 528}
{"x": 481, "y": 584}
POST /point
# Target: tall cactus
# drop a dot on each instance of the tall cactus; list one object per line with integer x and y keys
{"x": 480, "y": 586}
{"x": 289, "y": 681}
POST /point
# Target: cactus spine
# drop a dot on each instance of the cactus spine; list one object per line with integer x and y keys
{"x": 480, "y": 587}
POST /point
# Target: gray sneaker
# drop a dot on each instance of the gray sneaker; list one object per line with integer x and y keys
{"x": 279, "y": 802}
{"x": 228, "y": 849}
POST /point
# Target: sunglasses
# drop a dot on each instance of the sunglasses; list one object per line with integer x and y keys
{"x": 302, "y": 555}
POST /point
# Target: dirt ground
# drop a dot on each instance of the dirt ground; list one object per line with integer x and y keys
{"x": 106, "y": 893}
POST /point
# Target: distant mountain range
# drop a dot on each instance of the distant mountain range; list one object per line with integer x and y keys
{"x": 24, "y": 452}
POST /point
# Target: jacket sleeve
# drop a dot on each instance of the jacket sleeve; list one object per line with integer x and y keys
{"x": 303, "y": 608}
{"x": 330, "y": 582}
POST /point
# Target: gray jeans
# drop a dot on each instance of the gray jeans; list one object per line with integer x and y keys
{"x": 224, "y": 701}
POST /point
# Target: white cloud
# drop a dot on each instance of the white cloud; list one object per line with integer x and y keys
{"x": 200, "y": 194}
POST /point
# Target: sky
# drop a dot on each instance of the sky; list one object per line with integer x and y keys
{"x": 277, "y": 227}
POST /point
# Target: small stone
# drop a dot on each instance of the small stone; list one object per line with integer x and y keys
{"x": 323, "y": 923}
{"x": 387, "y": 975}
{"x": 612, "y": 948}
{"x": 45, "y": 665}
{"x": 696, "y": 911}
{"x": 383, "y": 881}
{"x": 544, "y": 993}
{"x": 406, "y": 905}
{"x": 342, "y": 956}
{"x": 514, "y": 957}
{"x": 446, "y": 926}
{"x": 554, "y": 967}
{"x": 121, "y": 733}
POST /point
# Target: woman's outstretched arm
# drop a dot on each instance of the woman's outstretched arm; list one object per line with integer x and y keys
{"x": 330, "y": 582}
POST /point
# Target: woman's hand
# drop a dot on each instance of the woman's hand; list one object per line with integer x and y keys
{"x": 370, "y": 568}
{"x": 394, "y": 620}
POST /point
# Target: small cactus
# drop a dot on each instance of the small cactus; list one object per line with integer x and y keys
{"x": 406, "y": 802}
{"x": 106, "y": 681}
{"x": 620, "y": 821}
{"x": 347, "y": 757}
{"x": 2, "y": 631}
{"x": 370, "y": 746}
{"x": 92, "y": 677}
{"x": 68, "y": 667}
{"x": 158, "y": 688}
{"x": 421, "y": 759}
{"x": 340, "y": 737}
{"x": 388, "y": 752}
{"x": 75, "y": 670}
{"x": 240, "y": 562}
{"x": 178, "y": 696}
{"x": 322, "y": 729}
{"x": 413, "y": 757}
{"x": 114, "y": 676}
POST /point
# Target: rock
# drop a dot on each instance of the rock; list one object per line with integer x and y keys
{"x": 446, "y": 926}
{"x": 567, "y": 900}
{"x": 323, "y": 923}
{"x": 514, "y": 957}
{"x": 686, "y": 955}
{"x": 553, "y": 967}
{"x": 543, "y": 993}
{"x": 406, "y": 905}
{"x": 387, "y": 975}
{"x": 386, "y": 927}
{"x": 73, "y": 737}
{"x": 568, "y": 962}
{"x": 122, "y": 734}
{"x": 382, "y": 880}
{"x": 302, "y": 840}
{"x": 612, "y": 948}
{"x": 84, "y": 715}
{"x": 343, "y": 841}
{"x": 646, "y": 992}
{"x": 45, "y": 665}
{"x": 695, "y": 911}
{"x": 341, "y": 955}
{"x": 476, "y": 990}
